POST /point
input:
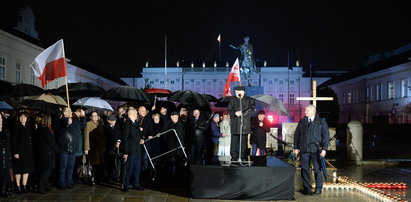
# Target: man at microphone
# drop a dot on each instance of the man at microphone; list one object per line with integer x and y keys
{"x": 240, "y": 108}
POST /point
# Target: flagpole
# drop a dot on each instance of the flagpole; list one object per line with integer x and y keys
{"x": 219, "y": 48}
{"x": 67, "y": 94}
{"x": 288, "y": 82}
{"x": 67, "y": 90}
{"x": 165, "y": 61}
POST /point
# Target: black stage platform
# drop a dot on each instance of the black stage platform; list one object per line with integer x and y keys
{"x": 268, "y": 178}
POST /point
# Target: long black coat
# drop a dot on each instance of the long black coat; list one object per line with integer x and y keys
{"x": 131, "y": 138}
{"x": 312, "y": 138}
{"x": 46, "y": 148}
{"x": 113, "y": 134}
{"x": 248, "y": 106}
{"x": 22, "y": 144}
{"x": 259, "y": 134}
{"x": 171, "y": 137}
{"x": 5, "y": 153}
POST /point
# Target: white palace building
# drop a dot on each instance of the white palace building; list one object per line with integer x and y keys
{"x": 279, "y": 82}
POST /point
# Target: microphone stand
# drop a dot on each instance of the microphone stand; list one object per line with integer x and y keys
{"x": 241, "y": 128}
{"x": 241, "y": 134}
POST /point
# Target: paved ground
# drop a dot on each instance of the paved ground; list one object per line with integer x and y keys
{"x": 368, "y": 172}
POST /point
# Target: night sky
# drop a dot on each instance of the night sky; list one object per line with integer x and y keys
{"x": 118, "y": 36}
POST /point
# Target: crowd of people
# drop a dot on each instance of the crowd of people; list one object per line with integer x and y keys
{"x": 39, "y": 149}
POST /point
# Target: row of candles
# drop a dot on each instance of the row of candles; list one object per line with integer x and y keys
{"x": 373, "y": 190}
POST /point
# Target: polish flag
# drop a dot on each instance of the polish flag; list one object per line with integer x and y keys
{"x": 219, "y": 38}
{"x": 233, "y": 76}
{"x": 50, "y": 64}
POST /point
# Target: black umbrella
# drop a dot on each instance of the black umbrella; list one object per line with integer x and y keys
{"x": 23, "y": 89}
{"x": 210, "y": 98}
{"x": 170, "y": 106}
{"x": 80, "y": 90}
{"x": 223, "y": 101}
{"x": 271, "y": 103}
{"x": 40, "y": 105}
{"x": 323, "y": 166}
{"x": 126, "y": 93}
{"x": 188, "y": 97}
{"x": 5, "y": 89}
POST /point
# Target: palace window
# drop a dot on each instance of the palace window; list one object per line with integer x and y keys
{"x": 18, "y": 73}
{"x": 2, "y": 68}
{"x": 378, "y": 92}
{"x": 281, "y": 97}
{"x": 391, "y": 90}
{"x": 292, "y": 99}
{"x": 404, "y": 88}
{"x": 369, "y": 93}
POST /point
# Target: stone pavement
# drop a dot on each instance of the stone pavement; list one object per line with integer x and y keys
{"x": 367, "y": 172}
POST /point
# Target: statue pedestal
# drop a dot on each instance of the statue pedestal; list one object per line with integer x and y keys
{"x": 249, "y": 90}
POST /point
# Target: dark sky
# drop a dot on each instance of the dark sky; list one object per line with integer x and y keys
{"x": 118, "y": 36}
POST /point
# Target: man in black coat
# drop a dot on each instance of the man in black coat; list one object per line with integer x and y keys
{"x": 177, "y": 124}
{"x": 113, "y": 139}
{"x": 132, "y": 140}
{"x": 240, "y": 113}
{"x": 258, "y": 138}
{"x": 311, "y": 139}
{"x": 200, "y": 126}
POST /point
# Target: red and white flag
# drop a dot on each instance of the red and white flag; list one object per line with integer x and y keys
{"x": 233, "y": 76}
{"x": 50, "y": 64}
{"x": 219, "y": 38}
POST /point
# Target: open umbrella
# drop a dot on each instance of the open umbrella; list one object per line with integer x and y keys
{"x": 5, "y": 89}
{"x": 188, "y": 97}
{"x": 223, "y": 101}
{"x": 126, "y": 93}
{"x": 79, "y": 90}
{"x": 23, "y": 89}
{"x": 158, "y": 92}
{"x": 5, "y": 106}
{"x": 45, "y": 102}
{"x": 94, "y": 102}
{"x": 210, "y": 98}
{"x": 271, "y": 103}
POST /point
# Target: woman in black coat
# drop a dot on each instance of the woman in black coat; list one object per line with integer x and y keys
{"x": 46, "y": 152}
{"x": 22, "y": 151}
{"x": 5, "y": 156}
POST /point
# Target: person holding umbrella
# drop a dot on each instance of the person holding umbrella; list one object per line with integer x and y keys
{"x": 311, "y": 139}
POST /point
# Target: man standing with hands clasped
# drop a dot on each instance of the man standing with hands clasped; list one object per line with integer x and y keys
{"x": 311, "y": 139}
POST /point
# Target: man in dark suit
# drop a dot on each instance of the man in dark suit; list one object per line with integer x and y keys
{"x": 311, "y": 139}
{"x": 199, "y": 125}
{"x": 132, "y": 140}
{"x": 237, "y": 113}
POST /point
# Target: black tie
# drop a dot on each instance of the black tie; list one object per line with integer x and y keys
{"x": 309, "y": 121}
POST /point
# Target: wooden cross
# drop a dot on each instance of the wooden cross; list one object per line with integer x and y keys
{"x": 314, "y": 98}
